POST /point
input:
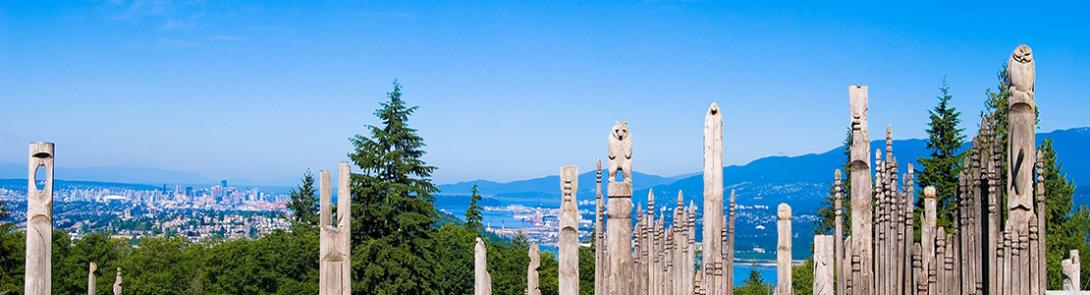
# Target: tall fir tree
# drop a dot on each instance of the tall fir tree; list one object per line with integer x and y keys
{"x": 473, "y": 213}
{"x": 392, "y": 210}
{"x": 1067, "y": 227}
{"x": 942, "y": 166}
{"x": 753, "y": 285}
{"x": 304, "y": 204}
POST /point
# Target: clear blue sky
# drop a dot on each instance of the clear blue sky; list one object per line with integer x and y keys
{"x": 506, "y": 90}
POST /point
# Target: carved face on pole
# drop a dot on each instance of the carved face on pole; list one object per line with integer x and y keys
{"x": 620, "y": 152}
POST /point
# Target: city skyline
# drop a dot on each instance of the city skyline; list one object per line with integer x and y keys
{"x": 229, "y": 90}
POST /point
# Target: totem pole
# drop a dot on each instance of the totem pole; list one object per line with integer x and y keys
{"x": 569, "y": 231}
{"x": 861, "y": 194}
{"x": 482, "y": 281}
{"x": 783, "y": 250}
{"x": 335, "y": 265}
{"x": 600, "y": 261}
{"x": 713, "y": 200}
{"x": 39, "y": 225}
{"x": 619, "y": 225}
{"x": 91, "y": 268}
{"x": 531, "y": 271}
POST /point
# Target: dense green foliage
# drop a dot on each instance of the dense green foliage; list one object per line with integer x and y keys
{"x": 304, "y": 202}
{"x": 802, "y": 277}
{"x": 1067, "y": 228}
{"x": 753, "y": 285}
{"x": 940, "y": 169}
{"x": 284, "y": 262}
{"x": 473, "y": 213}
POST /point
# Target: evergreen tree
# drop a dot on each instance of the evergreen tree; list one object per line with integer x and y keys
{"x": 825, "y": 225}
{"x": 1067, "y": 228}
{"x": 392, "y": 210}
{"x": 942, "y": 166}
{"x": 304, "y": 203}
{"x": 753, "y": 285}
{"x": 473, "y": 213}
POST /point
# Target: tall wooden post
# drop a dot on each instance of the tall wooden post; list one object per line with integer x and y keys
{"x": 619, "y": 225}
{"x": 862, "y": 212}
{"x": 39, "y": 225}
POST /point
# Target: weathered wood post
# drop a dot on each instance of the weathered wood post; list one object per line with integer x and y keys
{"x": 482, "y": 280}
{"x": 117, "y": 282}
{"x": 838, "y": 235}
{"x": 569, "y": 231}
{"x": 39, "y": 225}
{"x": 91, "y": 268}
{"x": 713, "y": 200}
{"x": 783, "y": 250}
{"x": 335, "y": 265}
{"x": 824, "y": 265}
{"x": 601, "y": 263}
{"x": 531, "y": 271}
{"x": 861, "y": 195}
{"x": 1071, "y": 271}
{"x": 619, "y": 225}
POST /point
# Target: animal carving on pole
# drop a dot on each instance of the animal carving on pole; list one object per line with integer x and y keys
{"x": 620, "y": 152}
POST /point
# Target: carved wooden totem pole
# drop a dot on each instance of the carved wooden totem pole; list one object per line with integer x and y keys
{"x": 569, "y": 231}
{"x": 39, "y": 226}
{"x": 861, "y": 194}
{"x": 601, "y": 263}
{"x": 824, "y": 265}
{"x": 783, "y": 250}
{"x": 532, "y": 279}
{"x": 619, "y": 225}
{"x": 335, "y": 264}
{"x": 91, "y": 268}
{"x": 117, "y": 282}
{"x": 482, "y": 280}
{"x": 713, "y": 201}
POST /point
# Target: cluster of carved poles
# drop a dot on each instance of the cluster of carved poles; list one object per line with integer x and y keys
{"x": 996, "y": 242}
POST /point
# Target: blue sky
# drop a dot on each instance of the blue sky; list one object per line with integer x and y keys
{"x": 507, "y": 90}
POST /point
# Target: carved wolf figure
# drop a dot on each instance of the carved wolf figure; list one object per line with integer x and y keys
{"x": 620, "y": 152}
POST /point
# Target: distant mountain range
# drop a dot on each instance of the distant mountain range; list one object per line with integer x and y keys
{"x": 801, "y": 180}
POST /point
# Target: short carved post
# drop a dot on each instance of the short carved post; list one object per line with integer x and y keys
{"x": 783, "y": 251}
{"x": 91, "y": 268}
{"x": 482, "y": 280}
{"x": 531, "y": 271}
{"x": 823, "y": 265}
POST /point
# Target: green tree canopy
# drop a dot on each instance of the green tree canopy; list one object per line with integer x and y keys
{"x": 753, "y": 285}
{"x": 941, "y": 168}
{"x": 392, "y": 211}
